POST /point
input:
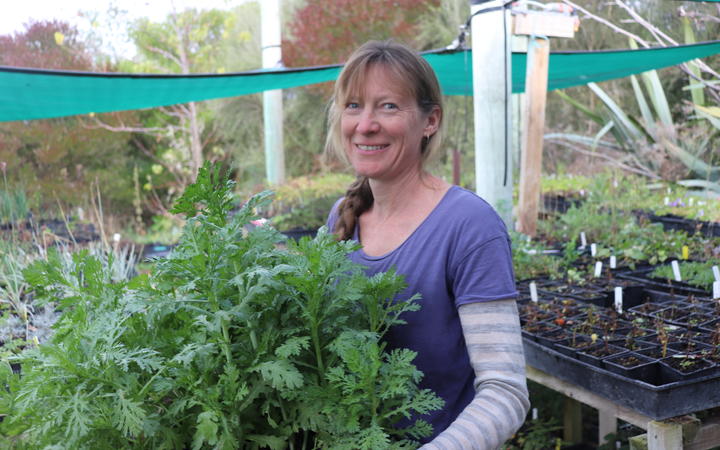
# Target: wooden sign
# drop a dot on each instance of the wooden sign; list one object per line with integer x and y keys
{"x": 548, "y": 24}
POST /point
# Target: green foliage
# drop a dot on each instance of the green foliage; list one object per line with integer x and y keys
{"x": 304, "y": 202}
{"x": 605, "y": 216}
{"x": 531, "y": 261}
{"x": 13, "y": 205}
{"x": 233, "y": 342}
{"x": 544, "y": 432}
{"x": 564, "y": 184}
{"x": 537, "y": 435}
{"x": 695, "y": 273}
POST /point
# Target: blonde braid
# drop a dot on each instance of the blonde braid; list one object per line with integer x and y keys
{"x": 358, "y": 199}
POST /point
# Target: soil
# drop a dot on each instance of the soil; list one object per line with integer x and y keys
{"x": 687, "y": 365}
{"x": 603, "y": 351}
{"x": 648, "y": 308}
{"x": 628, "y": 361}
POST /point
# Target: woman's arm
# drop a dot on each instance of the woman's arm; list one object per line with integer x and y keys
{"x": 494, "y": 343}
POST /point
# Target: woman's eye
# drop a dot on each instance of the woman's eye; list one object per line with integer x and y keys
{"x": 389, "y": 106}
{"x": 352, "y": 105}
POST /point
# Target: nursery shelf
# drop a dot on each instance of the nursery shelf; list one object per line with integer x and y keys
{"x": 656, "y": 402}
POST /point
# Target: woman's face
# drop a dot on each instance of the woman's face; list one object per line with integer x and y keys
{"x": 382, "y": 127}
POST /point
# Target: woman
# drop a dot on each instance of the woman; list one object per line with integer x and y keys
{"x": 452, "y": 248}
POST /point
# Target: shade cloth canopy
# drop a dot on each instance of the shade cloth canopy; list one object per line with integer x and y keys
{"x": 35, "y": 93}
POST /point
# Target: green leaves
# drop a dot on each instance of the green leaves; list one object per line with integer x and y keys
{"x": 211, "y": 191}
{"x": 207, "y": 429}
{"x": 281, "y": 374}
{"x": 231, "y": 343}
{"x": 129, "y": 416}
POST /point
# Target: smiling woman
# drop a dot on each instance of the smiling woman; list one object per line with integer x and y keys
{"x": 383, "y": 126}
{"x": 448, "y": 243}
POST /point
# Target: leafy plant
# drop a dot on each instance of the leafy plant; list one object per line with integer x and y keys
{"x": 304, "y": 202}
{"x": 530, "y": 259}
{"x": 695, "y": 273}
{"x": 650, "y": 140}
{"x": 233, "y": 342}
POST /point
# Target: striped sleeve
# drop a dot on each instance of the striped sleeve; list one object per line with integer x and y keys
{"x": 494, "y": 342}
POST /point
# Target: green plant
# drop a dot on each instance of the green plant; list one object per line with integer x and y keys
{"x": 650, "y": 140}
{"x": 13, "y": 205}
{"x": 305, "y": 202}
{"x": 232, "y": 342}
{"x": 662, "y": 335}
{"x": 564, "y": 184}
{"x": 695, "y": 273}
{"x": 13, "y": 288}
{"x": 530, "y": 259}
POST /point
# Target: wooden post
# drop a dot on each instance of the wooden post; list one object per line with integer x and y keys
{"x": 553, "y": 21}
{"x": 491, "y": 112}
{"x": 607, "y": 423}
{"x": 664, "y": 435}
{"x": 272, "y": 100}
{"x": 572, "y": 421}
{"x": 531, "y": 158}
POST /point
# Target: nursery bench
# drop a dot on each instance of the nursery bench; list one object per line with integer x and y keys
{"x": 684, "y": 432}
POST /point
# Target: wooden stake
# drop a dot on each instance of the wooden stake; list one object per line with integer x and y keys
{"x": 607, "y": 424}
{"x": 531, "y": 159}
{"x": 572, "y": 421}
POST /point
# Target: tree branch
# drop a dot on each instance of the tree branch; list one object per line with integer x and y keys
{"x": 155, "y": 131}
{"x": 596, "y": 18}
{"x": 655, "y": 31}
{"x": 713, "y": 90}
{"x": 638, "y": 170}
{"x": 164, "y": 53}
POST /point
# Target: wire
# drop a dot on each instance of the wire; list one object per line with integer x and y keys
{"x": 487, "y": 10}
{"x": 460, "y": 40}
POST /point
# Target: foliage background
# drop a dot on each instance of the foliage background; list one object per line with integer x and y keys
{"x": 141, "y": 160}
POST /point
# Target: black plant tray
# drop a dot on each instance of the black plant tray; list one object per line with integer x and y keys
{"x": 675, "y": 287}
{"x": 297, "y": 233}
{"x": 657, "y": 402}
{"x": 691, "y": 226}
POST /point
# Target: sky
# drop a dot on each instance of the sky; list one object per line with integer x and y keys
{"x": 15, "y": 13}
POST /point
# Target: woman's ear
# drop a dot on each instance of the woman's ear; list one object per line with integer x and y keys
{"x": 432, "y": 121}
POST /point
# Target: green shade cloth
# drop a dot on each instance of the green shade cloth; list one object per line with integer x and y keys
{"x": 35, "y": 94}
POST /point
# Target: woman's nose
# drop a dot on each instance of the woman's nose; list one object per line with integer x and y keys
{"x": 367, "y": 122}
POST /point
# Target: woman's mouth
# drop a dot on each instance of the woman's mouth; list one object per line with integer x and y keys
{"x": 371, "y": 148}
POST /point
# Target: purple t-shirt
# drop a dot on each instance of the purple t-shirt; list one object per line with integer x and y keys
{"x": 459, "y": 254}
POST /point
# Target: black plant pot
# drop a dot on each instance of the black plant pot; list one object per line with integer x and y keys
{"x": 634, "y": 366}
{"x": 689, "y": 347}
{"x": 654, "y": 351}
{"x": 571, "y": 346}
{"x": 156, "y": 250}
{"x": 595, "y": 354}
{"x": 297, "y": 233}
{"x": 535, "y": 329}
{"x": 680, "y": 367}
{"x": 551, "y": 337}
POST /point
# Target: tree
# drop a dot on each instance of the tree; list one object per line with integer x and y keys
{"x": 327, "y": 32}
{"x": 176, "y": 138}
{"x": 45, "y": 45}
{"x": 58, "y": 159}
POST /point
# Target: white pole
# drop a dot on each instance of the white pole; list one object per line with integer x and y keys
{"x": 491, "y": 101}
{"x": 272, "y": 100}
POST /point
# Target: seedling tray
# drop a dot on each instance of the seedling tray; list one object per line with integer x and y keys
{"x": 657, "y": 402}
{"x": 643, "y": 277}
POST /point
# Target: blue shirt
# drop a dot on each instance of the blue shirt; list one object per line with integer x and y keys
{"x": 459, "y": 254}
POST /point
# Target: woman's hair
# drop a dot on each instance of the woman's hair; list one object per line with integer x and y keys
{"x": 413, "y": 73}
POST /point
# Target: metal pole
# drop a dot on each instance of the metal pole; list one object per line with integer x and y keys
{"x": 272, "y": 100}
{"x": 490, "y": 29}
